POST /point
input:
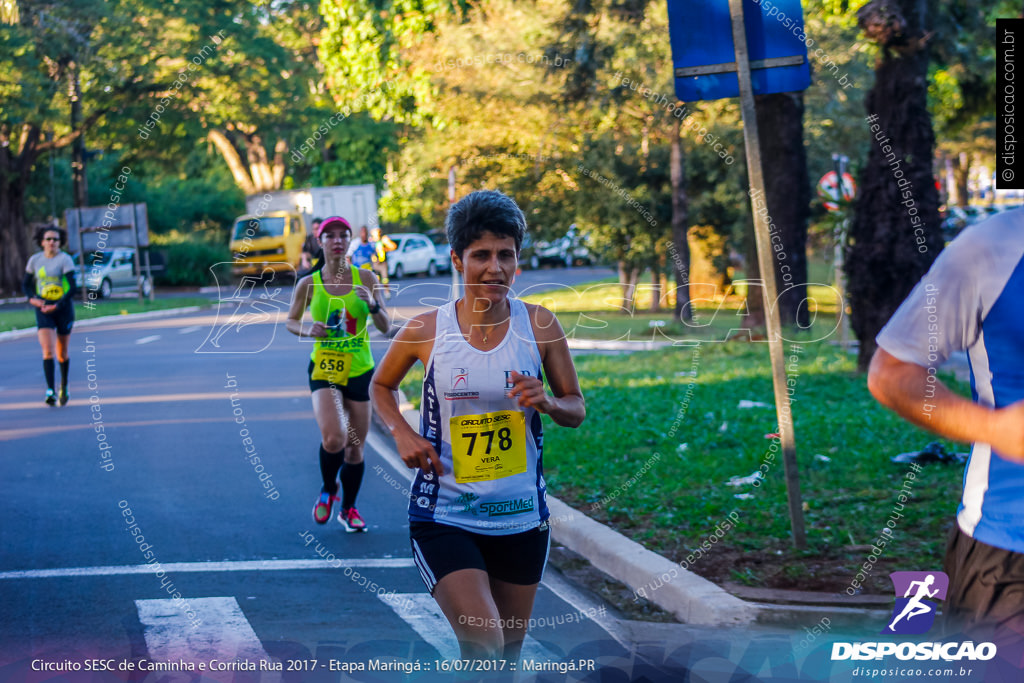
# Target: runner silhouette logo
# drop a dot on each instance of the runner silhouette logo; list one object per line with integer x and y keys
{"x": 914, "y": 612}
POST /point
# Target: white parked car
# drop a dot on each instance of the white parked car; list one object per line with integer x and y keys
{"x": 415, "y": 253}
{"x": 444, "y": 251}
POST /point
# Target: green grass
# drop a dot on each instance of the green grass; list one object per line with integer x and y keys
{"x": 659, "y": 444}
{"x": 638, "y": 406}
{"x": 16, "y": 319}
{"x": 593, "y": 311}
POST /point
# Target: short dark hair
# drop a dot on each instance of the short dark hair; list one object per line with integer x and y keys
{"x": 484, "y": 211}
{"x": 37, "y": 237}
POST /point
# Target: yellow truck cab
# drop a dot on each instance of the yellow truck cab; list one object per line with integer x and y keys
{"x": 270, "y": 241}
{"x": 271, "y": 232}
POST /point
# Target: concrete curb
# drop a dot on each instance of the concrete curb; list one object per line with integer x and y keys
{"x": 691, "y": 598}
{"x": 616, "y": 345}
{"x": 92, "y": 322}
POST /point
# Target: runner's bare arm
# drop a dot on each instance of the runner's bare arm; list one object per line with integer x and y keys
{"x": 371, "y": 294}
{"x": 413, "y": 343}
{"x": 900, "y": 386}
{"x": 566, "y": 407}
{"x": 300, "y": 302}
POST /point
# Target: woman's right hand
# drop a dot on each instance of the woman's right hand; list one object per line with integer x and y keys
{"x": 37, "y": 302}
{"x": 416, "y": 451}
{"x": 318, "y": 330}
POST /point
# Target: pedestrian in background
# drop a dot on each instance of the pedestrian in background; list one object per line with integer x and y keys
{"x": 49, "y": 284}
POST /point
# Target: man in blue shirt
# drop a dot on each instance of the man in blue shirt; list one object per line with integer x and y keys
{"x": 971, "y": 300}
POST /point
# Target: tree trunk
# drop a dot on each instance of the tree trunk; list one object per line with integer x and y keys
{"x": 655, "y": 288}
{"x": 754, "y": 317}
{"x": 14, "y": 238}
{"x": 961, "y": 172}
{"x": 78, "y": 180}
{"x": 256, "y": 172}
{"x": 895, "y": 234}
{"x": 679, "y": 250}
{"x": 628, "y": 277}
{"x": 780, "y": 124}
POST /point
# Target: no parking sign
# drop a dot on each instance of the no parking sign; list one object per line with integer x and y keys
{"x": 828, "y": 187}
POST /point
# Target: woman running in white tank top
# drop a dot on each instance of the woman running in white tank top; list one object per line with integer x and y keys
{"x": 477, "y": 509}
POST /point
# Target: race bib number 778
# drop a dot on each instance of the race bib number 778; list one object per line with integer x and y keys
{"x": 488, "y": 446}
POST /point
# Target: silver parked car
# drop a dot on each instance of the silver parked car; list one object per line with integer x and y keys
{"x": 112, "y": 270}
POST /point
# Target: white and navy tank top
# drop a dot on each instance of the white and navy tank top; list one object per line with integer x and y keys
{"x": 489, "y": 446}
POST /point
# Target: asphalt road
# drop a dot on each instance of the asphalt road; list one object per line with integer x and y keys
{"x": 137, "y": 527}
{"x": 136, "y": 530}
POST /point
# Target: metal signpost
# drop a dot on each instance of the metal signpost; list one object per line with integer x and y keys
{"x": 94, "y": 228}
{"x": 704, "y": 69}
{"x": 840, "y": 187}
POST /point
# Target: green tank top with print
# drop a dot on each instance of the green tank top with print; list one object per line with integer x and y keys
{"x": 345, "y": 318}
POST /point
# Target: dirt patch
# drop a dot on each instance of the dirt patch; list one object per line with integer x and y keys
{"x": 824, "y": 573}
{"x": 578, "y": 570}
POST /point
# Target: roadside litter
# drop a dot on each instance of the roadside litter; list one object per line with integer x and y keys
{"x": 933, "y": 452}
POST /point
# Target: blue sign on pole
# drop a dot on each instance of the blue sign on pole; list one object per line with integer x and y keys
{"x": 704, "y": 58}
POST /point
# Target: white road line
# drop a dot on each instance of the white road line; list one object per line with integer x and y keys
{"x": 190, "y": 330}
{"x": 386, "y": 451}
{"x": 421, "y": 612}
{"x": 239, "y": 566}
{"x": 583, "y": 603}
{"x": 147, "y": 340}
{"x": 218, "y": 631}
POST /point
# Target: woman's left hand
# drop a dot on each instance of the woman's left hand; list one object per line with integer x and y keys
{"x": 530, "y": 392}
{"x": 365, "y": 295}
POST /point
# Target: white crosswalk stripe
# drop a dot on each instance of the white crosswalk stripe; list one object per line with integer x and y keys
{"x": 422, "y": 613}
{"x": 219, "y": 631}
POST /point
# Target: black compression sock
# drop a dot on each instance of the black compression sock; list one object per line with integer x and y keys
{"x": 64, "y": 365}
{"x": 330, "y": 463}
{"x": 48, "y": 372}
{"x": 351, "y": 478}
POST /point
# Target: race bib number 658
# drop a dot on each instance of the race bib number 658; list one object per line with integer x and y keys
{"x": 488, "y": 446}
{"x": 331, "y": 366}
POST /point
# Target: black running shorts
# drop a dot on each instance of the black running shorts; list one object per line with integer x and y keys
{"x": 61, "y": 320}
{"x": 357, "y": 389}
{"x": 440, "y": 549}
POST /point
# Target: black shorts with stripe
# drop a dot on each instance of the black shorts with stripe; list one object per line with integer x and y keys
{"x": 440, "y": 549}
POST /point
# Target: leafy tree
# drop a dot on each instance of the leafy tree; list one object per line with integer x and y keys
{"x": 262, "y": 89}
{"x": 962, "y": 87}
{"x": 107, "y": 49}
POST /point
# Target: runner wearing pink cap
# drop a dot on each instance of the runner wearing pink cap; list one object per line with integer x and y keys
{"x": 341, "y": 299}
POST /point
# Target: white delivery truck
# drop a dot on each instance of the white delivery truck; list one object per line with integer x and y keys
{"x": 271, "y": 233}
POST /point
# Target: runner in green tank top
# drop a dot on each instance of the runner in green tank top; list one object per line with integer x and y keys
{"x": 340, "y": 298}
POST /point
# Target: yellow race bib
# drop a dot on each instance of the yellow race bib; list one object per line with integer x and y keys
{"x": 331, "y": 366}
{"x": 488, "y": 446}
{"x": 52, "y": 292}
